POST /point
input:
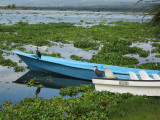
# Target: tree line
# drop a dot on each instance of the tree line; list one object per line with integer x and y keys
{"x": 153, "y": 9}
{"x": 13, "y": 6}
{"x": 10, "y": 6}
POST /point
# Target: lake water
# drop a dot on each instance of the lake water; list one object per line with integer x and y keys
{"x": 12, "y": 84}
{"x": 83, "y": 18}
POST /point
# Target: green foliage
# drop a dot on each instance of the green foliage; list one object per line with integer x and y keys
{"x": 33, "y": 82}
{"x": 39, "y": 34}
{"x": 114, "y": 59}
{"x": 120, "y": 42}
{"x": 153, "y": 8}
{"x": 157, "y": 56}
{"x": 137, "y": 108}
{"x": 157, "y": 49}
{"x": 153, "y": 66}
{"x": 71, "y": 90}
{"x": 86, "y": 45}
{"x": 90, "y": 105}
{"x": 75, "y": 57}
{"x": 7, "y": 62}
{"x": 114, "y": 41}
{"x": 144, "y": 53}
{"x": 120, "y": 49}
{"x": 1, "y": 52}
{"x": 19, "y": 68}
{"x": 20, "y": 61}
{"x": 156, "y": 45}
{"x": 53, "y": 54}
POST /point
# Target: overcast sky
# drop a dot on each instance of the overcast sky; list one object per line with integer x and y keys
{"x": 50, "y": 3}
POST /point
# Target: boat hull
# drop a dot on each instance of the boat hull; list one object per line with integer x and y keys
{"x": 40, "y": 65}
{"x": 73, "y": 68}
{"x": 135, "y": 87}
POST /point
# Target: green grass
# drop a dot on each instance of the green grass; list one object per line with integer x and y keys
{"x": 140, "y": 108}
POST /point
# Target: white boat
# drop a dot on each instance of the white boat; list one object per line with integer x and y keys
{"x": 144, "y": 86}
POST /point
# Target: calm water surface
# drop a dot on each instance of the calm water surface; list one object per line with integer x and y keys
{"x": 82, "y": 18}
{"x": 12, "y": 84}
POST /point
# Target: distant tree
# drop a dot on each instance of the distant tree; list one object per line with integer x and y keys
{"x": 98, "y": 10}
{"x": 8, "y": 6}
{"x": 13, "y": 6}
{"x": 153, "y": 8}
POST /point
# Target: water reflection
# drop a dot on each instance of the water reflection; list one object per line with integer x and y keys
{"x": 38, "y": 91}
{"x": 13, "y": 85}
{"x": 50, "y": 80}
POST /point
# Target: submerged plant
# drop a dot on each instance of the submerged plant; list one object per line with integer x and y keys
{"x": 19, "y": 69}
{"x": 71, "y": 90}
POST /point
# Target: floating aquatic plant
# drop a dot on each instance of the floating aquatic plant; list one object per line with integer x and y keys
{"x": 115, "y": 40}
{"x": 71, "y": 90}
{"x": 90, "y": 105}
{"x": 19, "y": 68}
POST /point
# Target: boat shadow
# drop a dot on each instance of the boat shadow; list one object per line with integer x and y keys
{"x": 50, "y": 80}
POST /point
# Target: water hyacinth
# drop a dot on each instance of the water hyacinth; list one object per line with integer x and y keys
{"x": 115, "y": 40}
{"x": 90, "y": 105}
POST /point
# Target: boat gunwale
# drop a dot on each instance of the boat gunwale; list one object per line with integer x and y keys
{"x": 126, "y": 80}
{"x": 87, "y": 68}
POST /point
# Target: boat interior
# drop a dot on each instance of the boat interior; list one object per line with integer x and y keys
{"x": 133, "y": 76}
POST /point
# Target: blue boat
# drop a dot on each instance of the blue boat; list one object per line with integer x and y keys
{"x": 75, "y": 69}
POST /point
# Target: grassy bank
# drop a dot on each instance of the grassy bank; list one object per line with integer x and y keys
{"x": 90, "y": 105}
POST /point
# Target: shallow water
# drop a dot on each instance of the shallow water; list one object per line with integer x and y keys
{"x": 66, "y": 50}
{"x": 12, "y": 84}
{"x": 147, "y": 47}
{"x": 82, "y": 18}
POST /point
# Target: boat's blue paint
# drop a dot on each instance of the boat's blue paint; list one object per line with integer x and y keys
{"x": 73, "y": 68}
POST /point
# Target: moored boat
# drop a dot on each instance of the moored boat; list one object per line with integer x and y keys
{"x": 143, "y": 86}
{"x": 73, "y": 68}
{"x": 135, "y": 87}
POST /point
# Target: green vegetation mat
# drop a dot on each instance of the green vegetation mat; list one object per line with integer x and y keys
{"x": 115, "y": 39}
{"x": 90, "y": 105}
